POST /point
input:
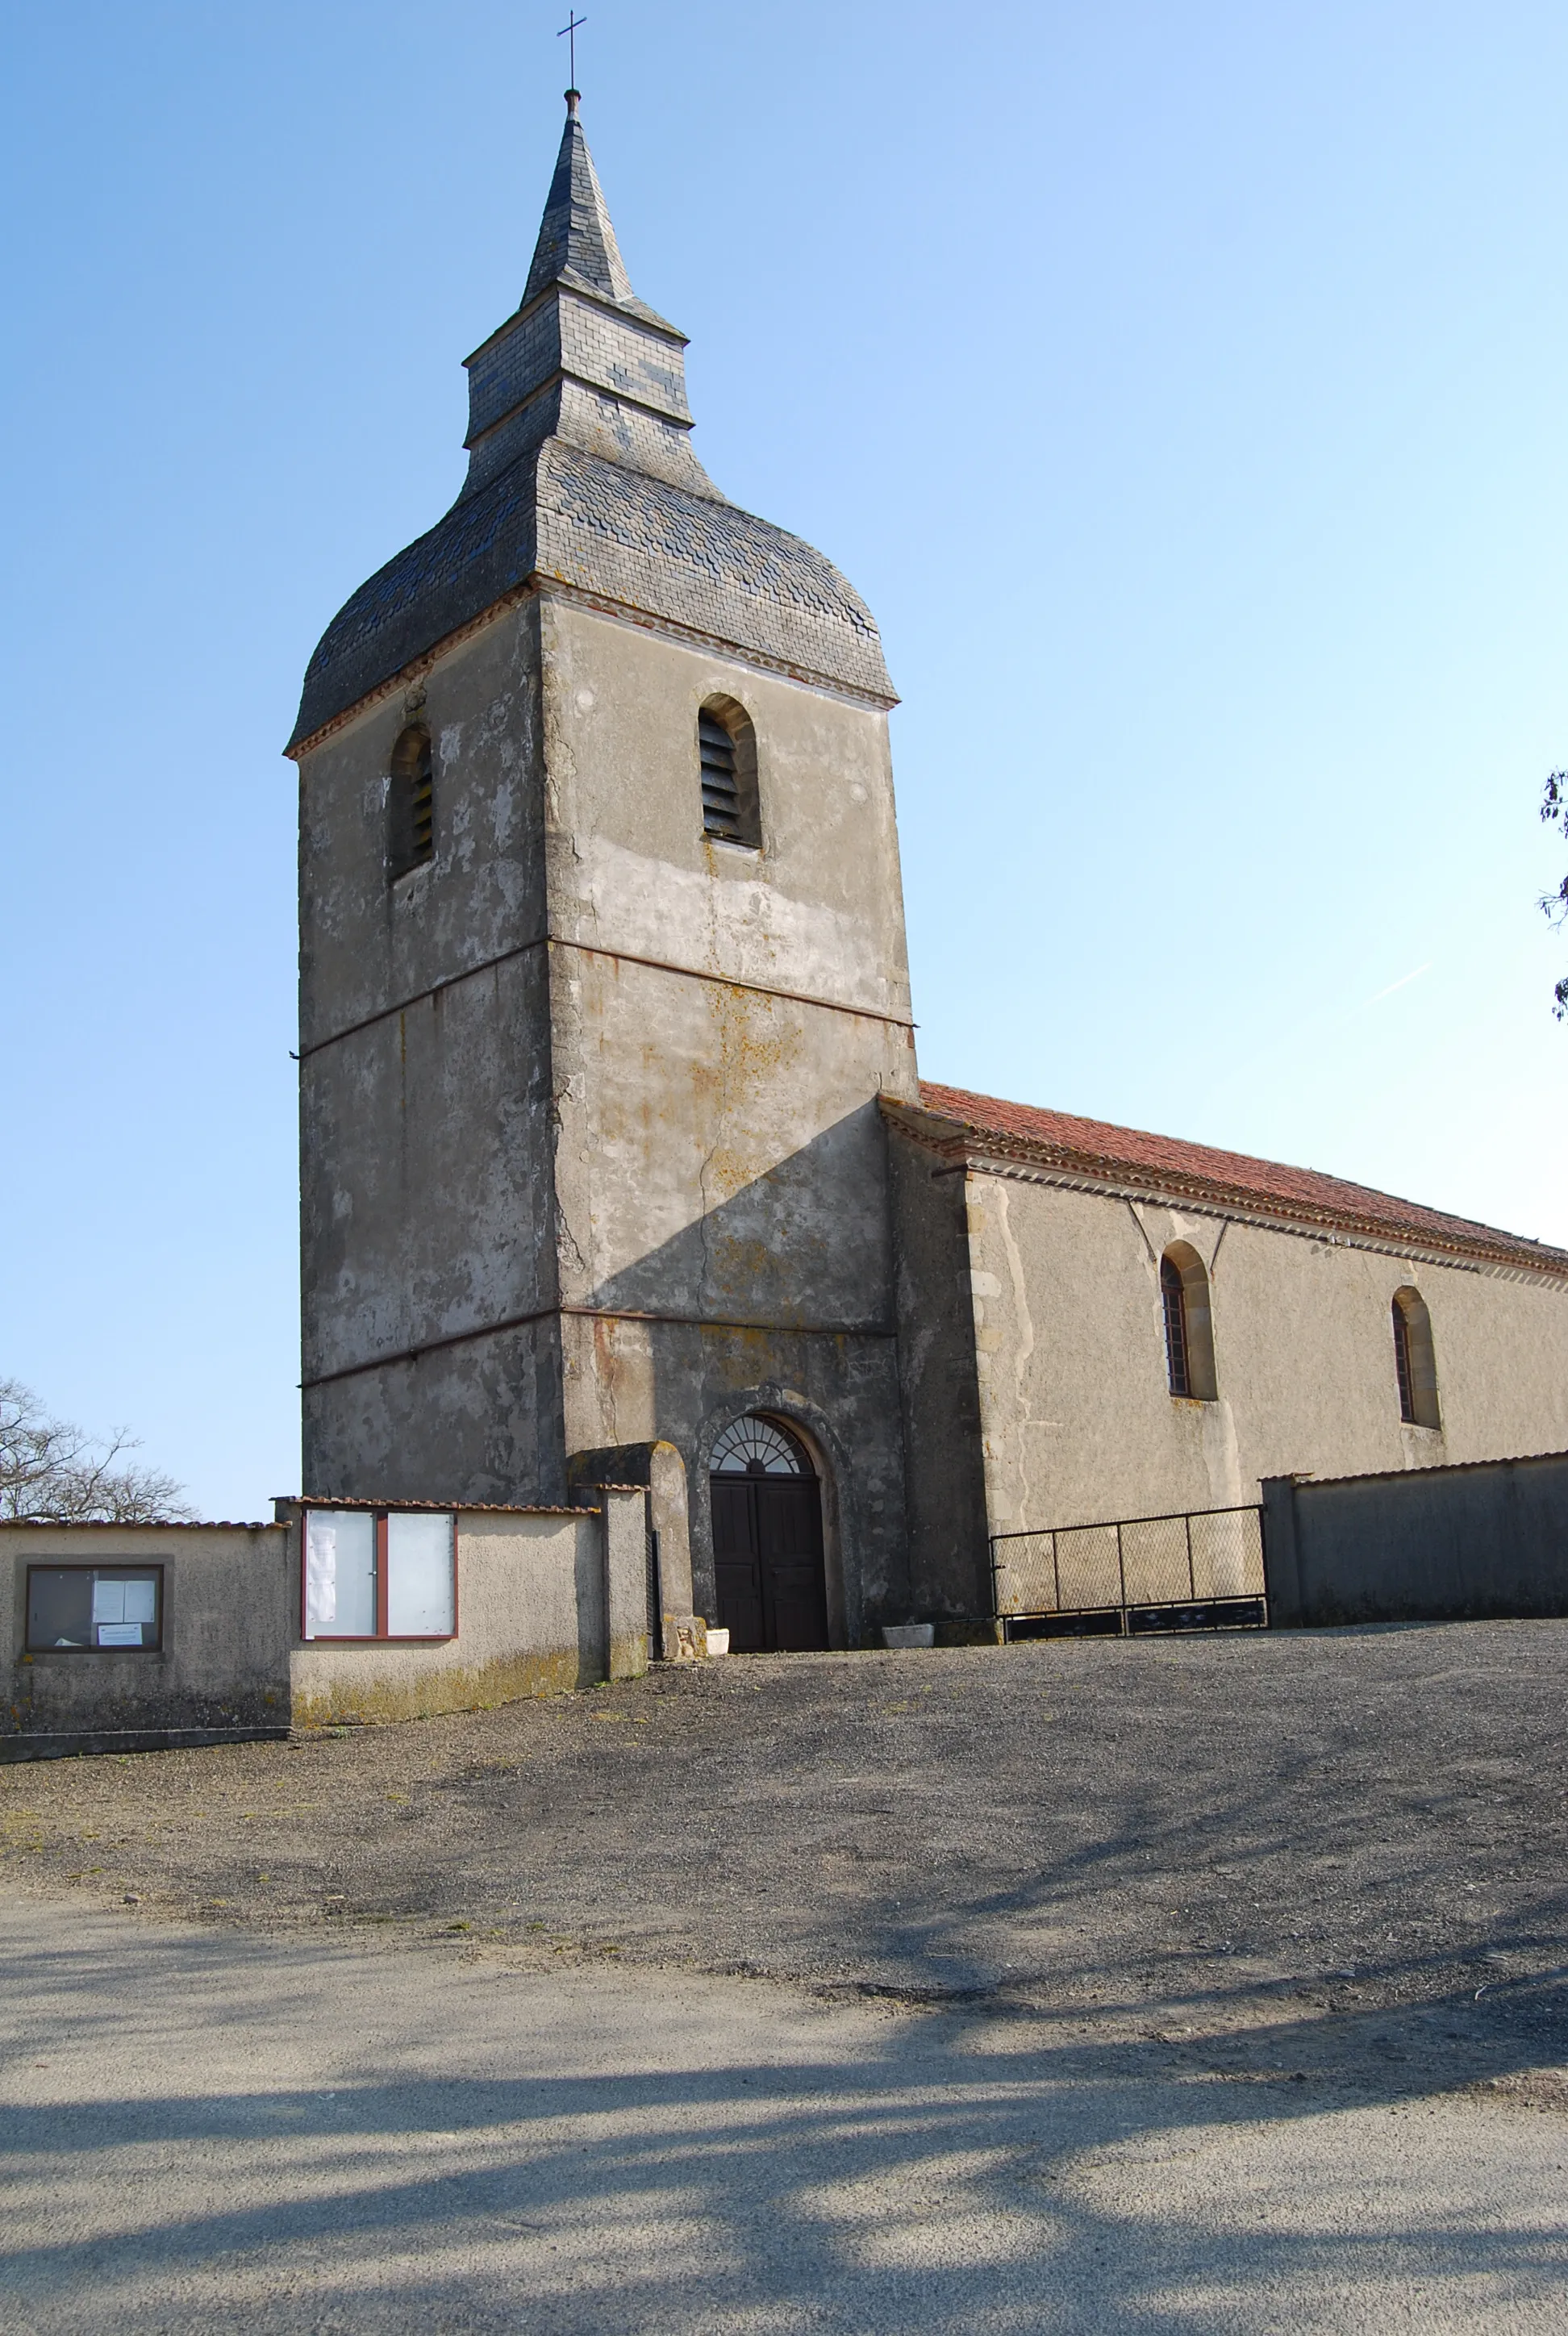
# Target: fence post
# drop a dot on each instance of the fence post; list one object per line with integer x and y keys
{"x": 1191, "y": 1576}
{"x": 1281, "y": 1555}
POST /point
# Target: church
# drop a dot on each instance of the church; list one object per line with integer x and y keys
{"x": 617, "y": 1165}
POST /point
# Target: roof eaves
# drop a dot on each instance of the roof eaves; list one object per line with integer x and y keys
{"x": 143, "y": 1525}
{"x": 967, "y": 1145}
{"x": 1305, "y": 1478}
{"x": 437, "y": 1508}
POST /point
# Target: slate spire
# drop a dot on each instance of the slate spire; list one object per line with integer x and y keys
{"x": 576, "y": 243}
{"x": 581, "y": 469}
{"x": 583, "y": 358}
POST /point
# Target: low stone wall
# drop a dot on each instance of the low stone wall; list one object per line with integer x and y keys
{"x": 1422, "y": 1545}
{"x": 221, "y": 1668}
{"x": 533, "y": 1618}
{"x": 547, "y": 1601}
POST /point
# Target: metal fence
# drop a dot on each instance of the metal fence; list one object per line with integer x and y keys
{"x": 1203, "y": 1569}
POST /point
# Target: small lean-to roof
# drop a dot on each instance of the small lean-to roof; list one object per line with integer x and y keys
{"x": 444, "y": 1508}
{"x": 144, "y": 1524}
{"x": 1129, "y": 1160}
{"x": 1437, "y": 1468}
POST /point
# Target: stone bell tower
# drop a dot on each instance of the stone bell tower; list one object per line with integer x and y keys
{"x": 602, "y": 963}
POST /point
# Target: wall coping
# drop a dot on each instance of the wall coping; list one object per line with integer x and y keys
{"x": 1304, "y": 1481}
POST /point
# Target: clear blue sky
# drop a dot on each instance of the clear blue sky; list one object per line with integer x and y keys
{"x": 1183, "y": 388}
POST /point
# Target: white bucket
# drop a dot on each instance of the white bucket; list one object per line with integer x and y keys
{"x": 717, "y": 1642}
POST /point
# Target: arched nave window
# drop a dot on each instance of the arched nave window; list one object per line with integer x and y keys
{"x": 1415, "y": 1364}
{"x": 1189, "y": 1328}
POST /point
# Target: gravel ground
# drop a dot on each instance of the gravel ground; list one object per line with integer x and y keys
{"x": 1349, "y": 1820}
{"x": 1215, "y": 1983}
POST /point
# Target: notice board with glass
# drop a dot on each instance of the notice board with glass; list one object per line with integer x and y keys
{"x": 95, "y": 1609}
{"x": 379, "y": 1573}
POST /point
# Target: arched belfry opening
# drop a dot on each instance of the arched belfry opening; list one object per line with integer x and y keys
{"x": 767, "y": 1539}
{"x": 727, "y": 757}
{"x": 410, "y": 802}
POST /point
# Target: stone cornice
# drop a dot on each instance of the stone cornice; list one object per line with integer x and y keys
{"x": 963, "y": 1150}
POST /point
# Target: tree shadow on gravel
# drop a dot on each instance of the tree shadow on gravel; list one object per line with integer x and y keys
{"x": 1367, "y": 1813}
{"x": 1377, "y": 1809}
{"x": 940, "y": 2173}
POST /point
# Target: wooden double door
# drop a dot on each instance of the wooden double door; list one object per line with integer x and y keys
{"x": 767, "y": 1547}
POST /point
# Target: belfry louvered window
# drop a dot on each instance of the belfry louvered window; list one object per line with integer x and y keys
{"x": 410, "y": 803}
{"x": 726, "y": 763}
{"x": 720, "y": 794}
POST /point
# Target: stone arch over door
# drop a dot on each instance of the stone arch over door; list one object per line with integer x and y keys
{"x": 807, "y": 1422}
{"x": 765, "y": 1502}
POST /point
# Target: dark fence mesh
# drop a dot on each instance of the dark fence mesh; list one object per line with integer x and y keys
{"x": 1209, "y": 1555}
{"x": 1228, "y": 1553}
{"x": 1154, "y": 1562}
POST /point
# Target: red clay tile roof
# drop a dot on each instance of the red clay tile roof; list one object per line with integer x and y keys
{"x": 1102, "y": 1154}
{"x": 143, "y": 1525}
{"x": 449, "y": 1508}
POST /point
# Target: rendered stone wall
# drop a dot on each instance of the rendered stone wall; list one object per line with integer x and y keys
{"x": 534, "y": 1611}
{"x": 1078, "y": 1421}
{"x": 819, "y": 911}
{"x": 718, "y": 1042}
{"x": 425, "y": 1105}
{"x": 946, "y": 1504}
{"x": 222, "y": 1666}
{"x": 1431, "y": 1545}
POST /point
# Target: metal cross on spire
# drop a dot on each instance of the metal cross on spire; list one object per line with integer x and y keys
{"x": 568, "y": 32}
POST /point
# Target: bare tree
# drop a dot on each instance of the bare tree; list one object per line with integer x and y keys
{"x": 50, "y": 1469}
{"x": 1555, "y": 812}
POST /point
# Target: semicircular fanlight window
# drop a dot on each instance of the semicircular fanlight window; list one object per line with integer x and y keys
{"x": 757, "y": 1447}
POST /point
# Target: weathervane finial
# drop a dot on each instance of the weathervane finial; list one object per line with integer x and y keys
{"x": 568, "y": 32}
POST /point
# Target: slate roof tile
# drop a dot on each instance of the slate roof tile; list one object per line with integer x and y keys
{"x": 579, "y": 440}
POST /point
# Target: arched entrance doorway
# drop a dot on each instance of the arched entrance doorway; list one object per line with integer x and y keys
{"x": 767, "y": 1539}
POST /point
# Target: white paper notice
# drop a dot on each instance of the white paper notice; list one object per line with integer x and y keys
{"x": 119, "y": 1634}
{"x": 339, "y": 1574}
